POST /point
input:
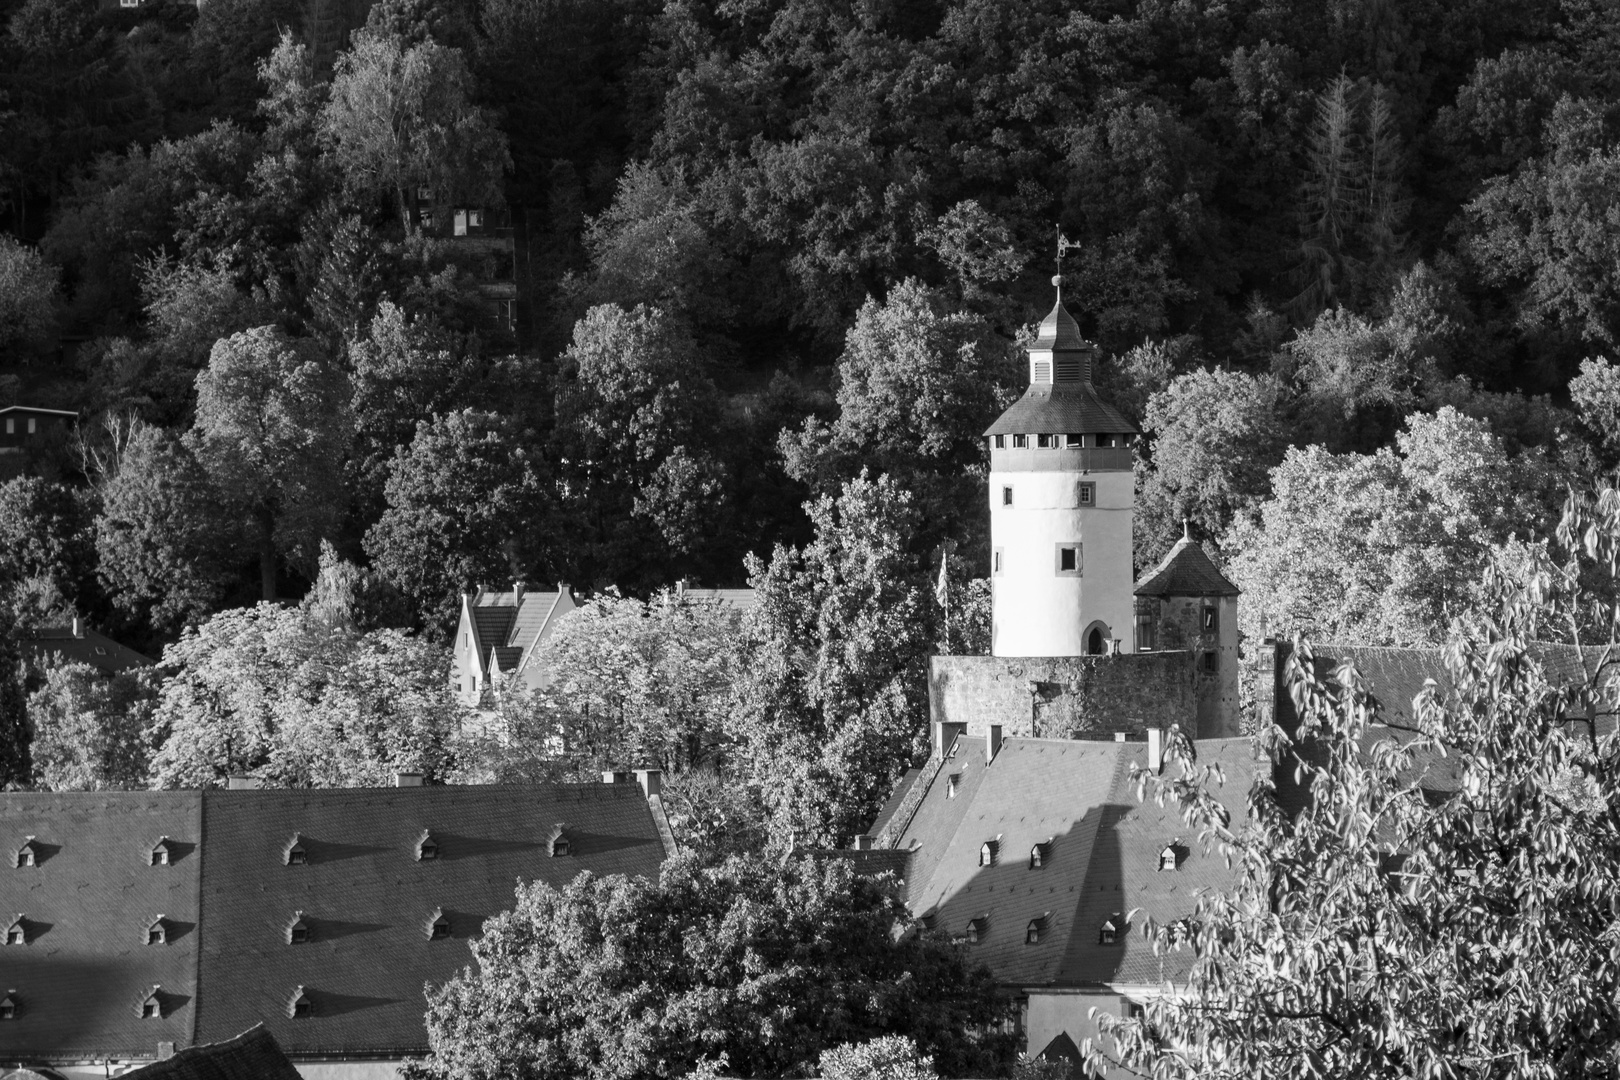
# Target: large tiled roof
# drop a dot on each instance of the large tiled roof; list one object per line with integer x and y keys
{"x": 368, "y": 900}
{"x": 81, "y": 977}
{"x": 1186, "y": 571}
{"x": 1101, "y": 856}
{"x": 252, "y": 1055}
{"x": 229, "y": 897}
{"x": 1060, "y": 408}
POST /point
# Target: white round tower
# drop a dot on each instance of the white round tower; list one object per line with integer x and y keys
{"x": 1062, "y": 499}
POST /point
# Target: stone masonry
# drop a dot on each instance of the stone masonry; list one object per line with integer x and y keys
{"x": 1066, "y": 697}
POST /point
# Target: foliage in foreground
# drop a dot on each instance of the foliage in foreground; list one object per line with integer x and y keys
{"x": 1445, "y": 904}
{"x": 768, "y": 962}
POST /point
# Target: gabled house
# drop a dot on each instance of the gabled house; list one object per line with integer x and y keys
{"x": 1037, "y": 855}
{"x": 76, "y": 643}
{"x": 498, "y": 636}
{"x": 24, "y": 425}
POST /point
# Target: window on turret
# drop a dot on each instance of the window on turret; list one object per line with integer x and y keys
{"x": 1212, "y": 662}
{"x": 1074, "y": 440}
{"x": 1068, "y": 560}
{"x": 1001, "y": 442}
{"x": 1046, "y": 442}
{"x": 1006, "y": 496}
{"x": 1086, "y": 493}
{"x": 1212, "y": 619}
{"x": 1107, "y": 440}
{"x": 995, "y": 561}
{"x": 1020, "y": 442}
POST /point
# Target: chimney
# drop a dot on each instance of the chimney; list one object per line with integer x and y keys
{"x": 992, "y": 743}
{"x": 611, "y": 776}
{"x": 407, "y": 779}
{"x": 945, "y": 733}
{"x": 565, "y": 589}
{"x": 517, "y": 593}
{"x": 1119, "y": 736}
{"x": 1155, "y": 760}
{"x": 165, "y": 1050}
{"x": 78, "y": 627}
{"x": 864, "y": 843}
{"x": 680, "y": 588}
{"x": 239, "y": 782}
{"x": 651, "y": 781}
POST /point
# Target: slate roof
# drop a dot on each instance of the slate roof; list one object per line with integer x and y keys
{"x": 84, "y": 646}
{"x": 1060, "y": 408}
{"x": 890, "y": 808}
{"x": 1102, "y": 858}
{"x": 252, "y": 1055}
{"x": 1186, "y": 571}
{"x": 1059, "y": 332}
{"x": 368, "y": 899}
{"x": 86, "y": 967}
{"x": 228, "y": 898}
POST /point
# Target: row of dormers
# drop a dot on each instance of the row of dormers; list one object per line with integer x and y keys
{"x": 155, "y": 1004}
{"x": 1108, "y": 934}
{"x": 293, "y": 853}
{"x": 298, "y": 931}
{"x": 1171, "y": 855}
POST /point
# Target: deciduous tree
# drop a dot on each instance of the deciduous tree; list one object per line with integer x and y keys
{"x": 90, "y": 729}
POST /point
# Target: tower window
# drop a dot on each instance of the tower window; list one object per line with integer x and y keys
{"x": 1095, "y": 644}
{"x": 1046, "y": 442}
{"x": 1107, "y": 440}
{"x": 1074, "y": 440}
{"x": 995, "y": 561}
{"x": 1006, "y": 496}
{"x": 1212, "y": 619}
{"x": 1212, "y": 662}
{"x": 1086, "y": 493}
{"x": 1020, "y": 442}
{"x": 1001, "y": 442}
{"x": 1069, "y": 563}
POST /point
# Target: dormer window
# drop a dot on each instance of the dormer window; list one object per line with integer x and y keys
{"x": 298, "y": 931}
{"x": 988, "y": 850}
{"x": 8, "y": 1006}
{"x": 1110, "y": 930}
{"x": 1036, "y": 927}
{"x": 427, "y": 848}
{"x": 976, "y": 928}
{"x": 558, "y": 841}
{"x": 438, "y": 926}
{"x": 152, "y": 1004}
{"x": 162, "y": 852}
{"x": 17, "y": 932}
{"x": 1169, "y": 858}
{"x": 1039, "y": 853}
{"x": 301, "y": 1004}
{"x": 28, "y": 854}
{"x": 157, "y": 933}
{"x": 952, "y": 782}
{"x": 295, "y": 854}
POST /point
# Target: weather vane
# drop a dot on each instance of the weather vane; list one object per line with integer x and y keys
{"x": 1063, "y": 246}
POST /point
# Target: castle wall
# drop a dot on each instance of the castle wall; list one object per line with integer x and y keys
{"x": 1065, "y": 697}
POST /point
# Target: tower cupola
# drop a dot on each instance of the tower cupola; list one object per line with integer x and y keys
{"x": 1062, "y": 499}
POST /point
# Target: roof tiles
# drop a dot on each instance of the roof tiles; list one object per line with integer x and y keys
{"x": 1186, "y": 571}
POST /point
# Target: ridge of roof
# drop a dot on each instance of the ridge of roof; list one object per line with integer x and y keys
{"x": 1187, "y": 570}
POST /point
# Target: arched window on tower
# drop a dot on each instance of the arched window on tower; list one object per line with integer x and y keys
{"x": 1095, "y": 645}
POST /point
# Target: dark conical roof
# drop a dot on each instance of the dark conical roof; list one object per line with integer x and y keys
{"x": 1186, "y": 571}
{"x": 1065, "y": 407}
{"x": 1059, "y": 331}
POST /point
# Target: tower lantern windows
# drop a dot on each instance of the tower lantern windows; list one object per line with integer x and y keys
{"x": 1074, "y": 440}
{"x": 1020, "y": 442}
{"x": 1046, "y": 442}
{"x": 1000, "y": 442}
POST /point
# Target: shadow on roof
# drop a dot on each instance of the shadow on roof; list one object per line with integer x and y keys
{"x": 335, "y": 929}
{"x": 329, "y": 851}
{"x": 329, "y": 1004}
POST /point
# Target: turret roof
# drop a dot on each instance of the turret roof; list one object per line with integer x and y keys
{"x": 1059, "y": 331}
{"x": 1064, "y": 408}
{"x": 1186, "y": 571}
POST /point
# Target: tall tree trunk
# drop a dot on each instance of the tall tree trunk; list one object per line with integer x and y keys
{"x": 267, "y": 552}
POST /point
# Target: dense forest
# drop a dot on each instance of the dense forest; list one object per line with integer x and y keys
{"x": 1353, "y": 266}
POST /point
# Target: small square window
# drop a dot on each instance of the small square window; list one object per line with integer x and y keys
{"x": 32, "y": 425}
{"x": 1212, "y": 619}
{"x": 1020, "y": 442}
{"x": 1006, "y": 496}
{"x": 151, "y": 1011}
{"x": 1086, "y": 493}
{"x": 1066, "y": 558}
{"x": 1001, "y": 442}
{"x": 16, "y": 936}
{"x": 1069, "y": 561}
{"x": 1107, "y": 440}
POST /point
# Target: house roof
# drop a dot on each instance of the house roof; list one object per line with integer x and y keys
{"x": 1060, "y": 408}
{"x": 229, "y": 896}
{"x": 87, "y": 903}
{"x": 37, "y": 411}
{"x": 1186, "y": 571}
{"x": 81, "y": 646}
{"x": 252, "y": 1055}
{"x": 1101, "y": 858}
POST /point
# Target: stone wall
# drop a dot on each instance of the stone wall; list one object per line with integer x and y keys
{"x": 1065, "y": 697}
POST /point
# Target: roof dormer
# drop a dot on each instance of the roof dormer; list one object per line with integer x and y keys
{"x": 438, "y": 925}
{"x": 1112, "y": 928}
{"x": 10, "y": 1004}
{"x": 293, "y": 852}
{"x": 976, "y": 928}
{"x": 300, "y": 1005}
{"x": 1170, "y": 856}
{"x": 151, "y": 1005}
{"x": 558, "y": 843}
{"x": 1037, "y": 928}
{"x": 990, "y": 851}
{"x": 298, "y": 930}
{"x": 163, "y": 852}
{"x": 17, "y": 930}
{"x": 427, "y": 848}
{"x": 29, "y": 853}
{"x": 1040, "y": 853}
{"x": 157, "y": 931}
